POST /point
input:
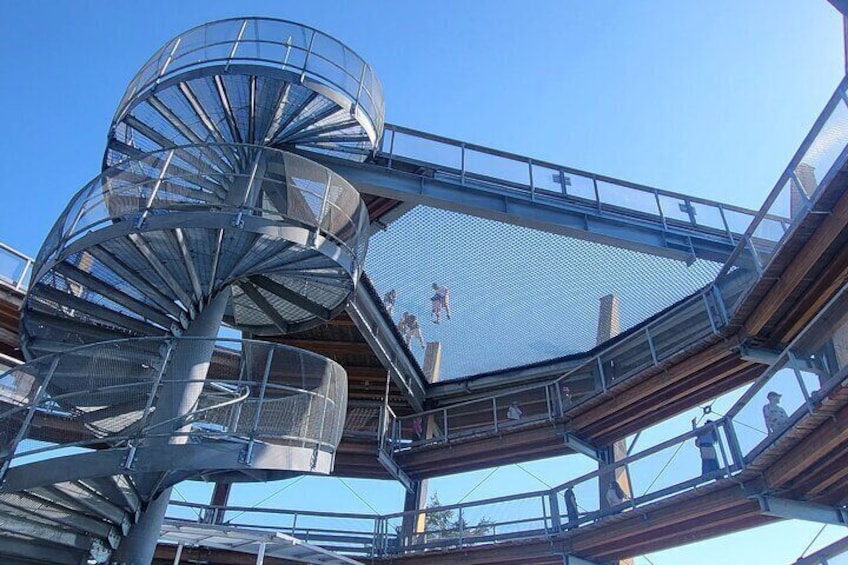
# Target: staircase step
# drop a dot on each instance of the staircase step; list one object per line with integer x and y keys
{"x": 21, "y": 505}
{"x": 117, "y": 489}
{"x": 23, "y": 549}
{"x": 76, "y": 495}
{"x": 42, "y": 530}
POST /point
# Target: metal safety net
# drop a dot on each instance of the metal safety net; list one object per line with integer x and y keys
{"x": 517, "y": 295}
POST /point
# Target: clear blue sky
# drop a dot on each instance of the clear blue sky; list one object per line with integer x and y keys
{"x": 705, "y": 98}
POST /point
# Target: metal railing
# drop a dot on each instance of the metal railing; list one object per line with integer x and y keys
{"x": 821, "y": 155}
{"x": 108, "y": 395}
{"x": 468, "y": 163}
{"x": 272, "y": 43}
{"x": 533, "y": 514}
{"x": 182, "y": 180}
{"x": 15, "y": 267}
{"x": 640, "y": 349}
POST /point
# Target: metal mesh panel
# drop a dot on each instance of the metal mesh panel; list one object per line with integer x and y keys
{"x": 164, "y": 232}
{"x": 518, "y": 295}
{"x": 290, "y": 53}
{"x": 119, "y": 392}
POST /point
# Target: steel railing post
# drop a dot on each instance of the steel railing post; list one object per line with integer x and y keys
{"x": 148, "y": 406}
{"x": 169, "y": 59}
{"x": 248, "y": 455}
{"x": 794, "y": 362}
{"x": 235, "y": 46}
{"x": 306, "y": 58}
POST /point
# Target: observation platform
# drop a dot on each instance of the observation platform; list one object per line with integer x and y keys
{"x": 230, "y": 192}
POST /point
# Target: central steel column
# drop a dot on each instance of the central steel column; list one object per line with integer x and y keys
{"x": 190, "y": 361}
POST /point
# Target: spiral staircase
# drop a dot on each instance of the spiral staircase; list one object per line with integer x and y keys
{"x": 202, "y": 216}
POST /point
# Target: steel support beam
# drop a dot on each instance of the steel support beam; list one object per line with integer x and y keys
{"x": 797, "y": 509}
{"x": 370, "y": 319}
{"x": 582, "y": 446}
{"x": 574, "y": 560}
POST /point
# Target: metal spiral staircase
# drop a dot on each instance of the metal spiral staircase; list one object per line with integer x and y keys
{"x": 202, "y": 215}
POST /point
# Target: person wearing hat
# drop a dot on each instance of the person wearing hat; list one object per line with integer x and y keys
{"x": 514, "y": 412}
{"x": 774, "y": 414}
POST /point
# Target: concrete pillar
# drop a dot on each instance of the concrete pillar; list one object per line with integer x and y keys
{"x": 189, "y": 361}
{"x": 608, "y": 327}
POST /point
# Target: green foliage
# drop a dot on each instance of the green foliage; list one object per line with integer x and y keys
{"x": 442, "y": 524}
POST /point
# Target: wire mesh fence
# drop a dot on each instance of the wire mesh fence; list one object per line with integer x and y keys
{"x": 126, "y": 393}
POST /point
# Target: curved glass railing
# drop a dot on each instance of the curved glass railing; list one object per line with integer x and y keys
{"x": 105, "y": 396}
{"x": 272, "y": 43}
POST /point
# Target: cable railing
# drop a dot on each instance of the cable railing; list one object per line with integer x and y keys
{"x": 15, "y": 268}
{"x": 470, "y": 164}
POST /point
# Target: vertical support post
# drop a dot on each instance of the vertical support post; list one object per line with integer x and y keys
{"x": 651, "y": 346}
{"x": 164, "y": 68}
{"x": 556, "y": 517}
{"x": 462, "y": 164}
{"x": 753, "y": 250}
{"x": 358, "y": 89}
{"x": 794, "y": 362}
{"x": 733, "y": 441}
{"x": 726, "y": 225}
{"x": 709, "y": 313}
{"x": 24, "y": 271}
{"x": 495, "y": 412}
{"x": 235, "y": 45}
{"x": 257, "y": 414}
{"x": 461, "y": 523}
{"x": 660, "y": 210}
{"x": 601, "y": 374}
{"x": 260, "y": 557}
{"x": 597, "y": 193}
{"x": 532, "y": 184}
{"x": 159, "y": 180}
{"x": 178, "y": 554}
{"x": 306, "y": 58}
{"x": 391, "y": 148}
{"x": 722, "y": 450}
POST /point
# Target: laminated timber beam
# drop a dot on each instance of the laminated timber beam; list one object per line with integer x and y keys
{"x": 803, "y": 262}
{"x": 828, "y": 437}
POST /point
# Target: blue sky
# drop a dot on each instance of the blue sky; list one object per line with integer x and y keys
{"x": 704, "y": 98}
